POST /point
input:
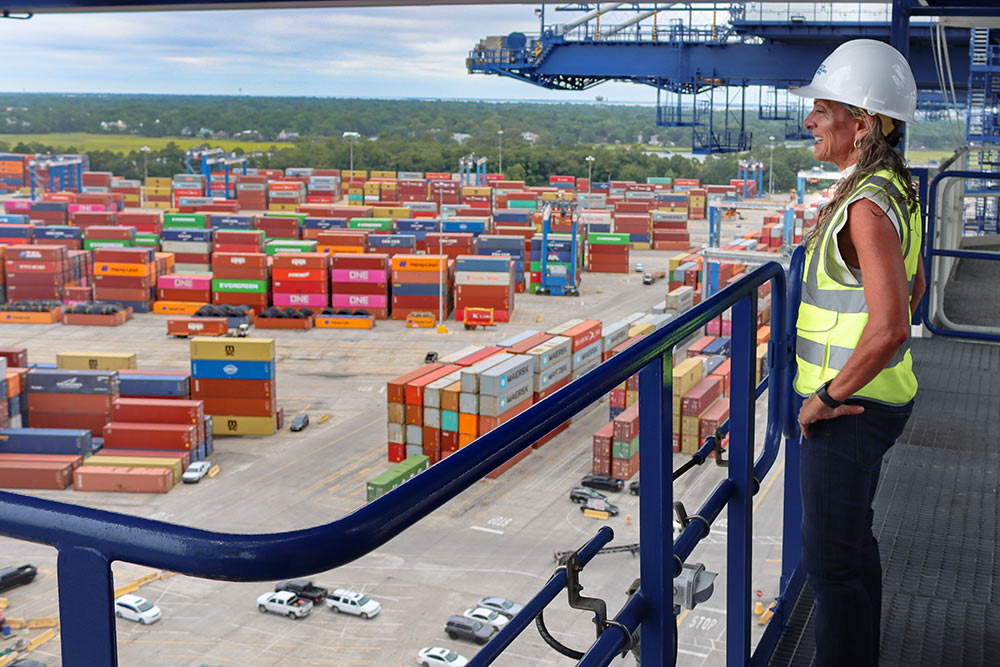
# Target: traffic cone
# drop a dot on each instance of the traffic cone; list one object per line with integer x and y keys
{"x": 628, "y": 519}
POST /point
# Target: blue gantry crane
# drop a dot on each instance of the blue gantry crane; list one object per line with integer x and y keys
{"x": 701, "y": 66}
{"x": 201, "y": 160}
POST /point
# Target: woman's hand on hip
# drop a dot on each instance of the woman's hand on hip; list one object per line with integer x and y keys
{"x": 814, "y": 410}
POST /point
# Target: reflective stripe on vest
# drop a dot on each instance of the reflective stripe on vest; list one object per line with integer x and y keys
{"x": 833, "y": 314}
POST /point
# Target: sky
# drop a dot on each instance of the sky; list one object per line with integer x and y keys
{"x": 370, "y": 52}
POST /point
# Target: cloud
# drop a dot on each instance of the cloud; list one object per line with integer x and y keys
{"x": 378, "y": 52}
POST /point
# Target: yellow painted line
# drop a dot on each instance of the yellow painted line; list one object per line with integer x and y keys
{"x": 680, "y": 619}
{"x": 768, "y": 486}
{"x": 772, "y": 560}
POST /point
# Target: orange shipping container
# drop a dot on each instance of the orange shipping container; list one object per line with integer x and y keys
{"x": 129, "y": 480}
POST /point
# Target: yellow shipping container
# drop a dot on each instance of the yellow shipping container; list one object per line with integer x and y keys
{"x": 689, "y": 443}
{"x": 383, "y": 174}
{"x": 371, "y": 188}
{"x": 393, "y": 212}
{"x": 641, "y": 246}
{"x": 158, "y": 182}
{"x": 476, "y": 191}
{"x": 236, "y": 349}
{"x": 347, "y": 174}
{"x": 686, "y": 375}
{"x": 240, "y": 425}
{"x": 641, "y": 329}
{"x": 282, "y": 207}
{"x": 676, "y": 260}
{"x": 83, "y": 361}
{"x": 158, "y": 191}
{"x": 137, "y": 462}
{"x": 631, "y": 397}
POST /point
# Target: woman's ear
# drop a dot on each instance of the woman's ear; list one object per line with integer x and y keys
{"x": 865, "y": 124}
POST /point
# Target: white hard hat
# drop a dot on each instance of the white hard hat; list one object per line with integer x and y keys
{"x": 868, "y": 74}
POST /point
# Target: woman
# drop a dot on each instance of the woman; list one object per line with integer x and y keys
{"x": 863, "y": 280}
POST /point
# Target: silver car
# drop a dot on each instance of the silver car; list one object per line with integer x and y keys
{"x": 500, "y": 605}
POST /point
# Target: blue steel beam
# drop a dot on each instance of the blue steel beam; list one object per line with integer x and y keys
{"x": 589, "y": 63}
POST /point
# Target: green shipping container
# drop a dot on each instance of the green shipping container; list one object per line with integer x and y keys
{"x": 185, "y": 221}
{"x": 620, "y": 449}
{"x": 275, "y": 246}
{"x": 380, "y": 224}
{"x": 244, "y": 286}
{"x": 659, "y": 180}
{"x": 94, "y": 244}
{"x": 396, "y": 475}
{"x": 604, "y": 238}
{"x": 285, "y": 214}
{"x": 562, "y": 268}
{"x": 529, "y": 204}
{"x": 449, "y": 420}
{"x": 147, "y": 240}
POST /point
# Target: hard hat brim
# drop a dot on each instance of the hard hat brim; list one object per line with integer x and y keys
{"x": 812, "y": 91}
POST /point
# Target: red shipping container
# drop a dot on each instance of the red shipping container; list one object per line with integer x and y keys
{"x": 601, "y": 465}
{"x": 602, "y": 440}
{"x": 433, "y": 452}
{"x": 149, "y": 436}
{"x": 625, "y": 468}
{"x": 246, "y": 407}
{"x": 414, "y": 392}
{"x": 584, "y": 334}
{"x": 413, "y": 414}
{"x": 701, "y": 396}
{"x": 431, "y": 437}
{"x": 300, "y": 261}
{"x": 131, "y": 480}
{"x": 202, "y": 388}
{"x": 93, "y": 422}
{"x": 243, "y": 260}
{"x": 165, "y": 411}
{"x": 713, "y": 418}
{"x": 35, "y": 474}
{"x": 490, "y": 423}
{"x": 449, "y": 441}
{"x": 397, "y": 452}
{"x": 396, "y": 388}
{"x": 551, "y": 434}
{"x": 71, "y": 403}
{"x": 626, "y": 425}
{"x": 504, "y": 467}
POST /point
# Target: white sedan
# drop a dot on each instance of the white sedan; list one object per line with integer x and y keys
{"x": 285, "y": 603}
{"x": 138, "y": 609}
{"x": 487, "y": 616}
{"x": 435, "y": 655}
{"x": 196, "y": 471}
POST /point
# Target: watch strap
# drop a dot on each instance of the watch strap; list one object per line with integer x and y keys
{"x": 824, "y": 396}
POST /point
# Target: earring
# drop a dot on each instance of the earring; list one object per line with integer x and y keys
{"x": 857, "y": 144}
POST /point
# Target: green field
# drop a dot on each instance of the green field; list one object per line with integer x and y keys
{"x": 126, "y": 143}
{"x": 923, "y": 157}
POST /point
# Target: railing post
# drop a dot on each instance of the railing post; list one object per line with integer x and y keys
{"x": 655, "y": 508}
{"x": 741, "y": 447}
{"x": 86, "y": 608}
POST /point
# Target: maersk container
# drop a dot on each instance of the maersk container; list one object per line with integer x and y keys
{"x": 57, "y": 381}
{"x": 236, "y": 370}
{"x": 513, "y": 395}
{"x": 45, "y": 441}
{"x": 470, "y": 375}
{"x": 495, "y": 380}
{"x": 166, "y": 386}
{"x": 396, "y": 475}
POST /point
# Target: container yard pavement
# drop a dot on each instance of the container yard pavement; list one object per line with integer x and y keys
{"x": 495, "y": 539}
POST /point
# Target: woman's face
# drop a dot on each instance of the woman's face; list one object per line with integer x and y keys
{"x": 834, "y": 130}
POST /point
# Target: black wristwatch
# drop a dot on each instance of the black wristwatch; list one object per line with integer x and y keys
{"x": 824, "y": 396}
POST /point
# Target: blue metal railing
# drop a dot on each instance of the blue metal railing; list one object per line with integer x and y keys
{"x": 930, "y": 252}
{"x": 89, "y": 540}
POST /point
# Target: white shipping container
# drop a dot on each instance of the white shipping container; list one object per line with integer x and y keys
{"x": 470, "y": 375}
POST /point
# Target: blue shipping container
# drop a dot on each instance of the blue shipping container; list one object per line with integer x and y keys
{"x": 166, "y": 386}
{"x": 485, "y": 263}
{"x": 324, "y": 223}
{"x": 58, "y": 381}
{"x": 45, "y": 441}
{"x": 197, "y": 235}
{"x": 417, "y": 289}
{"x": 230, "y": 221}
{"x": 236, "y": 370}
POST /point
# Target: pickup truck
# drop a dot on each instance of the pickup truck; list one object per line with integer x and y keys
{"x": 650, "y": 278}
{"x": 303, "y": 588}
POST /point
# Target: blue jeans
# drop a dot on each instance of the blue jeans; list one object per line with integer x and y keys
{"x": 841, "y": 463}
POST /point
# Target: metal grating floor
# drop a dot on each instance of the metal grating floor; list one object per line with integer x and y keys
{"x": 937, "y": 518}
{"x": 965, "y": 300}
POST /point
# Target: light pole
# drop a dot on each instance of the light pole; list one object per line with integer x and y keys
{"x": 770, "y": 170}
{"x": 351, "y": 138}
{"x": 500, "y": 151}
{"x": 590, "y": 165}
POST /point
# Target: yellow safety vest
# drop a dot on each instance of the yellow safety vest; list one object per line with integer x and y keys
{"x": 832, "y": 315}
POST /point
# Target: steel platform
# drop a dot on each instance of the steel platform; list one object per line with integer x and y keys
{"x": 937, "y": 518}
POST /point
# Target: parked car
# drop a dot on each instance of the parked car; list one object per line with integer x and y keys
{"x": 496, "y": 619}
{"x": 638, "y": 268}
{"x": 500, "y": 605}
{"x": 633, "y": 488}
{"x": 460, "y": 627}
{"x": 582, "y": 494}
{"x": 300, "y": 422}
{"x": 603, "y": 482}
{"x": 436, "y": 655}
{"x": 608, "y": 507}
{"x": 136, "y": 608}
{"x": 302, "y": 588}
{"x": 285, "y": 603}
{"x": 352, "y": 602}
{"x": 196, "y": 471}
{"x": 12, "y": 577}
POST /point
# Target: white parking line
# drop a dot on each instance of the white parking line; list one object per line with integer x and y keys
{"x": 487, "y": 530}
{"x": 697, "y": 655}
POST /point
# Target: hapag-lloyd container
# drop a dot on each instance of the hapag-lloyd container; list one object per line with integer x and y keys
{"x": 51, "y": 380}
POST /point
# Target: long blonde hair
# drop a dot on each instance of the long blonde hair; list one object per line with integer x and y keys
{"x": 875, "y": 155}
